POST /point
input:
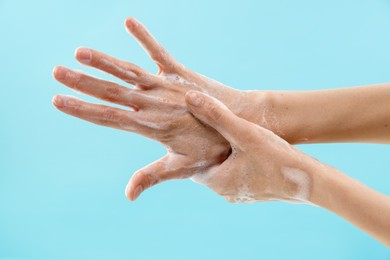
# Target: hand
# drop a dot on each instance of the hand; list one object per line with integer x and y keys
{"x": 264, "y": 167}
{"x": 158, "y": 108}
{"x": 261, "y": 167}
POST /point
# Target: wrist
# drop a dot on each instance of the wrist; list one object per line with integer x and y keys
{"x": 321, "y": 176}
{"x": 364, "y": 207}
{"x": 327, "y": 185}
{"x": 273, "y": 110}
{"x": 255, "y": 106}
{"x": 297, "y": 179}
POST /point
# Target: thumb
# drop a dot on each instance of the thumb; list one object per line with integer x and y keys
{"x": 167, "y": 168}
{"x": 215, "y": 114}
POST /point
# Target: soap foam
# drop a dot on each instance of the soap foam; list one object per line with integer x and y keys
{"x": 242, "y": 196}
{"x": 269, "y": 120}
{"x": 107, "y": 63}
{"x": 302, "y": 181}
{"x": 177, "y": 79}
{"x": 204, "y": 177}
{"x": 199, "y": 164}
{"x": 152, "y": 125}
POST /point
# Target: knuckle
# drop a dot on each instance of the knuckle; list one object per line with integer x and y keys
{"x": 153, "y": 179}
{"x": 132, "y": 96}
{"x": 98, "y": 60}
{"x": 147, "y": 179}
{"x": 178, "y": 67}
{"x": 166, "y": 136}
{"x": 171, "y": 125}
{"x": 255, "y": 137}
{"x": 76, "y": 80}
{"x": 165, "y": 126}
{"x": 112, "y": 93}
{"x": 175, "y": 105}
{"x": 160, "y": 56}
{"x": 132, "y": 71}
{"x": 74, "y": 104}
{"x": 213, "y": 112}
{"x": 123, "y": 121}
{"x": 109, "y": 114}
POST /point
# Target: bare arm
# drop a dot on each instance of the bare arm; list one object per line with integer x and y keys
{"x": 356, "y": 114}
{"x": 364, "y": 207}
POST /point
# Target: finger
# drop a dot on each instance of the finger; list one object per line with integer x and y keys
{"x": 126, "y": 71}
{"x": 155, "y": 50}
{"x": 101, "y": 114}
{"x": 217, "y": 115}
{"x": 105, "y": 90}
{"x": 166, "y": 168}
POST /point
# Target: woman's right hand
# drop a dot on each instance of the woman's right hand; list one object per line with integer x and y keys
{"x": 261, "y": 167}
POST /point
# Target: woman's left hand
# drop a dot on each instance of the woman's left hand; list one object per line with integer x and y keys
{"x": 158, "y": 109}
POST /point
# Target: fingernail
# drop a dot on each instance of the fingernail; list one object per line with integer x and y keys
{"x": 83, "y": 55}
{"x": 195, "y": 99}
{"x": 153, "y": 179}
{"x": 57, "y": 101}
{"x": 137, "y": 192}
{"x": 60, "y": 73}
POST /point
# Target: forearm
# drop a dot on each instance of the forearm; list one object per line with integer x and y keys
{"x": 358, "y": 114}
{"x": 365, "y": 208}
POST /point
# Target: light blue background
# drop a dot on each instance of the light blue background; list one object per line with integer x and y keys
{"x": 62, "y": 180}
